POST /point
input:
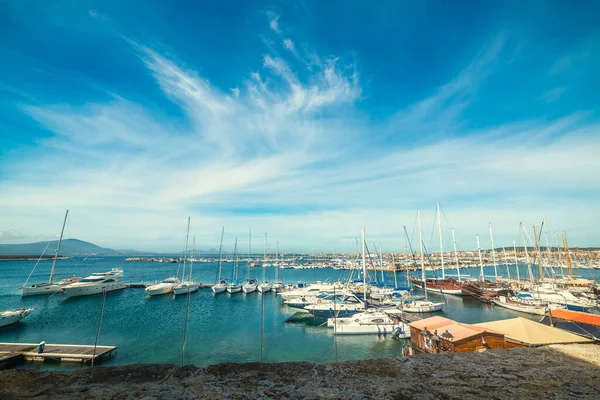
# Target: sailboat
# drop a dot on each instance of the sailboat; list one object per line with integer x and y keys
{"x": 221, "y": 284}
{"x": 234, "y": 286}
{"x": 251, "y": 284}
{"x": 422, "y": 306}
{"x": 187, "y": 286}
{"x": 49, "y": 287}
{"x": 264, "y": 286}
{"x": 277, "y": 285}
{"x": 443, "y": 284}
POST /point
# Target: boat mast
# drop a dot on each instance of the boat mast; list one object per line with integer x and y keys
{"x": 381, "y": 262}
{"x": 481, "y": 275}
{"x": 527, "y": 256}
{"x": 506, "y": 262}
{"x": 187, "y": 237}
{"x": 234, "y": 274}
{"x": 562, "y": 272}
{"x": 220, "y": 255}
{"x": 548, "y": 250}
{"x": 538, "y": 258}
{"x": 516, "y": 261}
{"x": 441, "y": 247}
{"x": 567, "y": 257}
{"x": 422, "y": 255}
{"x": 264, "y": 274}
{"x": 455, "y": 254}
{"x": 192, "y": 259}
{"x": 364, "y": 267}
{"x": 249, "y": 251}
{"x": 58, "y": 248}
{"x": 493, "y": 252}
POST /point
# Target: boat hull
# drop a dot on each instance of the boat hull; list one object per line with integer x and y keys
{"x": 159, "y": 289}
{"x": 234, "y": 288}
{"x": 185, "y": 289}
{"x": 249, "y": 288}
{"x": 423, "y": 307}
{"x": 263, "y": 288}
{"x": 9, "y": 318}
{"x": 76, "y": 291}
{"x": 44, "y": 288}
{"x": 218, "y": 288}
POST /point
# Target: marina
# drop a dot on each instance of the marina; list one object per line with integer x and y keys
{"x": 221, "y": 328}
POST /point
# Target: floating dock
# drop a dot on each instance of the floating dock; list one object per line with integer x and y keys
{"x": 60, "y": 352}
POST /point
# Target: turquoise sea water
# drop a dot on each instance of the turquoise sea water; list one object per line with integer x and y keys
{"x": 221, "y": 328}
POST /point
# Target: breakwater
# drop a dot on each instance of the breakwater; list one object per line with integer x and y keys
{"x": 529, "y": 373}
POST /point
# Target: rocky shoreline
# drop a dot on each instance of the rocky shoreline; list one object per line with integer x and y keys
{"x": 551, "y": 372}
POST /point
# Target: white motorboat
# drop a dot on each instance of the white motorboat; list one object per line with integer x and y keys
{"x": 49, "y": 287}
{"x": 10, "y": 317}
{"x": 369, "y": 323}
{"x": 96, "y": 283}
{"x": 164, "y": 287}
{"x": 310, "y": 290}
{"x": 422, "y": 306}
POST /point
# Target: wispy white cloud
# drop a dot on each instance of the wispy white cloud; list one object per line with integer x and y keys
{"x": 273, "y": 21}
{"x": 553, "y": 94}
{"x": 292, "y": 143}
{"x": 289, "y": 44}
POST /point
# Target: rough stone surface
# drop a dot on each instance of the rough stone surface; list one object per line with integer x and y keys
{"x": 562, "y": 372}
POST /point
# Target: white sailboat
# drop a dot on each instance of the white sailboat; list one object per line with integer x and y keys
{"x": 10, "y": 317}
{"x": 234, "y": 286}
{"x": 422, "y": 306}
{"x": 251, "y": 284}
{"x": 187, "y": 286}
{"x": 96, "y": 283}
{"x": 221, "y": 284}
{"x": 49, "y": 287}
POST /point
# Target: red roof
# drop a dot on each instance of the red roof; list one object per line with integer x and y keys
{"x": 458, "y": 330}
{"x": 576, "y": 316}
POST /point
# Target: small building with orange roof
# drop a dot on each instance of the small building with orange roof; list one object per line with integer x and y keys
{"x": 443, "y": 335}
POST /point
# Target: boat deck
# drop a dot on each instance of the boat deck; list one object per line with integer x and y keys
{"x": 62, "y": 352}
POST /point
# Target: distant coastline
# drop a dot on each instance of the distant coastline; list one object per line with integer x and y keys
{"x": 30, "y": 257}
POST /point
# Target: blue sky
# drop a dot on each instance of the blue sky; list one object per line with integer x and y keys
{"x": 307, "y": 120}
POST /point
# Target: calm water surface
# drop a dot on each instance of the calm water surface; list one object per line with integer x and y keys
{"x": 221, "y": 328}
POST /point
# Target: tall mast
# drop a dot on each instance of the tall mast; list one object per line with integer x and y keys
{"x": 506, "y": 262}
{"x": 192, "y": 259}
{"x": 441, "y": 247}
{"x": 381, "y": 261}
{"x": 481, "y": 275}
{"x": 562, "y": 273}
{"x": 538, "y": 258}
{"x": 62, "y": 231}
{"x": 394, "y": 267}
{"x": 249, "y": 251}
{"x": 567, "y": 257}
{"x": 547, "y": 242}
{"x": 364, "y": 267}
{"x": 265, "y": 250}
{"x": 187, "y": 239}
{"x": 455, "y": 254}
{"x": 220, "y": 255}
{"x": 407, "y": 258}
{"x": 527, "y": 256}
{"x": 277, "y": 254}
{"x": 516, "y": 261}
{"x": 234, "y": 273}
{"x": 422, "y": 255}
{"x": 493, "y": 252}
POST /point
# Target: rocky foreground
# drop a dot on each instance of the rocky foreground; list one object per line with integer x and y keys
{"x": 555, "y": 372}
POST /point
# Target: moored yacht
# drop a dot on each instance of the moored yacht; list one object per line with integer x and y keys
{"x": 163, "y": 287}
{"x": 10, "y": 317}
{"x": 96, "y": 283}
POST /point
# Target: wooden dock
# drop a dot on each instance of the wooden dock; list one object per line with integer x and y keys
{"x": 60, "y": 352}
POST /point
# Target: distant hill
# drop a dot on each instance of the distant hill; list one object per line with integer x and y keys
{"x": 67, "y": 247}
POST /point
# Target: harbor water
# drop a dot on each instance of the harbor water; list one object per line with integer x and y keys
{"x": 221, "y": 328}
